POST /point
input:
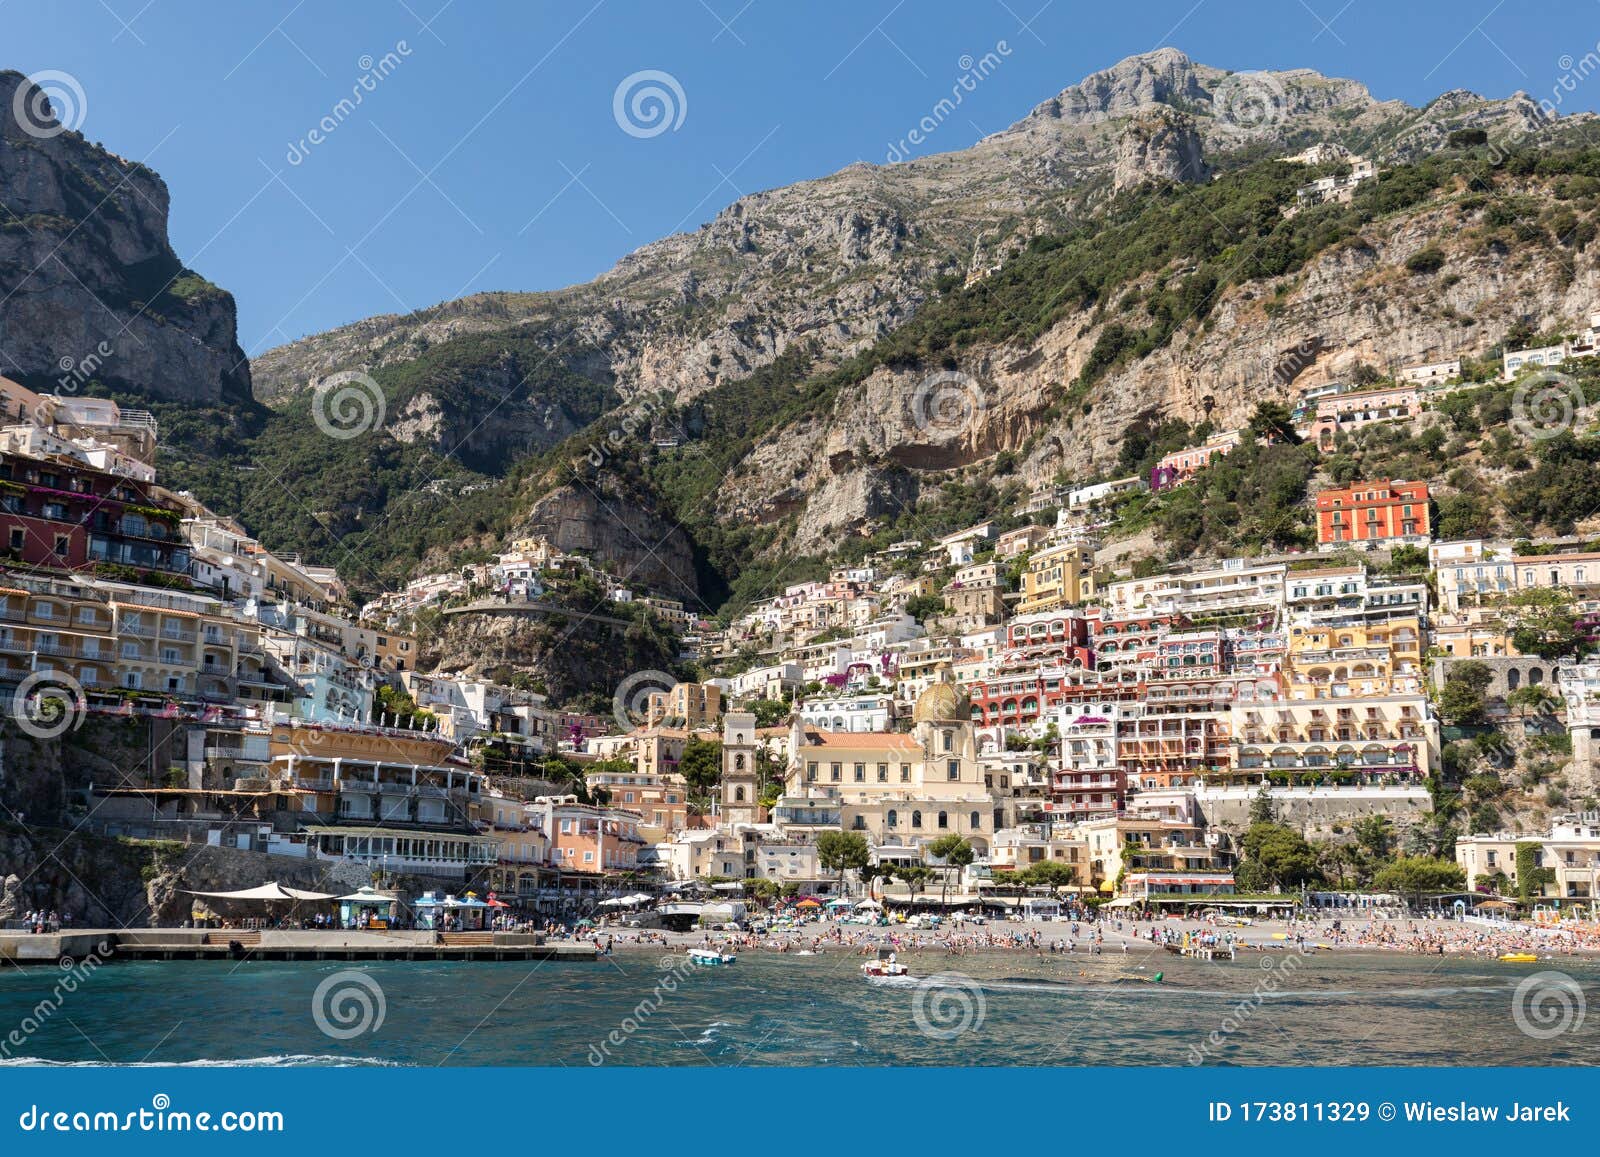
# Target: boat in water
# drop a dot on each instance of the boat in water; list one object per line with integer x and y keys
{"x": 710, "y": 956}
{"x": 885, "y": 965}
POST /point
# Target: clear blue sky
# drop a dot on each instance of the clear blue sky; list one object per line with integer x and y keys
{"x": 490, "y": 156}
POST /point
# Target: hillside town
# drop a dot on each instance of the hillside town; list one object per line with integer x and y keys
{"x": 980, "y": 711}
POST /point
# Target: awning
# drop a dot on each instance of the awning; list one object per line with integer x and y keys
{"x": 1120, "y": 902}
{"x": 272, "y": 891}
{"x": 1108, "y": 886}
{"x": 368, "y": 896}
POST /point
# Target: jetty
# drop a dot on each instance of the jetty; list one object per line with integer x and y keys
{"x": 272, "y": 944}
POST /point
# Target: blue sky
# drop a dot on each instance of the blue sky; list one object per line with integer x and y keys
{"x": 490, "y": 157}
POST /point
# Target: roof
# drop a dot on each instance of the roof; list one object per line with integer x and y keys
{"x": 870, "y": 739}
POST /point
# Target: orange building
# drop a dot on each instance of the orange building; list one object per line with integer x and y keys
{"x": 1381, "y": 513}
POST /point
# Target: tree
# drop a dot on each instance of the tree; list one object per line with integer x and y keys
{"x": 842, "y": 851}
{"x": 1461, "y": 701}
{"x": 956, "y": 852}
{"x": 1374, "y": 836}
{"x": 1532, "y": 698}
{"x": 1262, "y": 809}
{"x": 701, "y": 765}
{"x": 1414, "y": 875}
{"x": 1282, "y": 854}
{"x": 924, "y": 607}
{"x": 1053, "y": 873}
{"x": 1545, "y": 622}
{"x": 1272, "y": 422}
{"x": 913, "y": 876}
{"x": 769, "y": 712}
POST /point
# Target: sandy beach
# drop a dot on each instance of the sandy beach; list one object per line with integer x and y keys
{"x": 1118, "y": 937}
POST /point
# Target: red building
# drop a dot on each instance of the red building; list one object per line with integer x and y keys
{"x": 1374, "y": 513}
{"x": 68, "y": 516}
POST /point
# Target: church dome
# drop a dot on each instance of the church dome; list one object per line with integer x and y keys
{"x": 943, "y": 703}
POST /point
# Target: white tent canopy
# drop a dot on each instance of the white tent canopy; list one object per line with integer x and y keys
{"x": 272, "y": 891}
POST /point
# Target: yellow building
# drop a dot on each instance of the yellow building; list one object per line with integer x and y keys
{"x": 900, "y": 790}
{"x": 1057, "y": 577}
{"x": 1335, "y": 661}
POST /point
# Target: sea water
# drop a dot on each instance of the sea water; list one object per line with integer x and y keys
{"x": 653, "y": 1008}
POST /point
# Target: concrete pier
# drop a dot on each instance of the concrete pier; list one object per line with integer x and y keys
{"x": 236, "y": 944}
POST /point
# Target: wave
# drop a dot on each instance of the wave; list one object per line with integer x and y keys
{"x": 285, "y": 1061}
{"x": 1141, "y": 987}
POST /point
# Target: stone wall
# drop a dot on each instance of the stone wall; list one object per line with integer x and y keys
{"x": 1313, "y": 810}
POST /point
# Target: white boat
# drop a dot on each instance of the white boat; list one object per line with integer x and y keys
{"x": 710, "y": 956}
{"x": 884, "y": 965}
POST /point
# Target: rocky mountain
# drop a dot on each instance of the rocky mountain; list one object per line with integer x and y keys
{"x": 90, "y": 289}
{"x": 821, "y": 359}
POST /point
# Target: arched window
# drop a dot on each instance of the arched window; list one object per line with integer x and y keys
{"x": 944, "y": 820}
{"x": 916, "y": 819}
{"x": 738, "y": 762}
{"x": 977, "y": 821}
{"x": 738, "y": 794}
{"x": 893, "y": 818}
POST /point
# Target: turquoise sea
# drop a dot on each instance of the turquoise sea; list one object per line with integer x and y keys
{"x": 649, "y": 1008}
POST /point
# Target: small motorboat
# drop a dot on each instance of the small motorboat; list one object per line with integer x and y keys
{"x": 1519, "y": 958}
{"x": 710, "y": 956}
{"x": 885, "y": 965}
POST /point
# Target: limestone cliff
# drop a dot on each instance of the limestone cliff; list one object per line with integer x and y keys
{"x": 90, "y": 289}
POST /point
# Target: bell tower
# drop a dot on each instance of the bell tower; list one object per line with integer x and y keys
{"x": 740, "y": 783}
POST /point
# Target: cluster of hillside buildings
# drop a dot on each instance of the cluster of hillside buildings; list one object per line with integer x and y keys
{"x": 1035, "y": 705}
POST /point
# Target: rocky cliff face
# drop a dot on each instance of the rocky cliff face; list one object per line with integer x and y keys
{"x": 837, "y": 263}
{"x": 1158, "y": 145}
{"x": 92, "y": 288}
